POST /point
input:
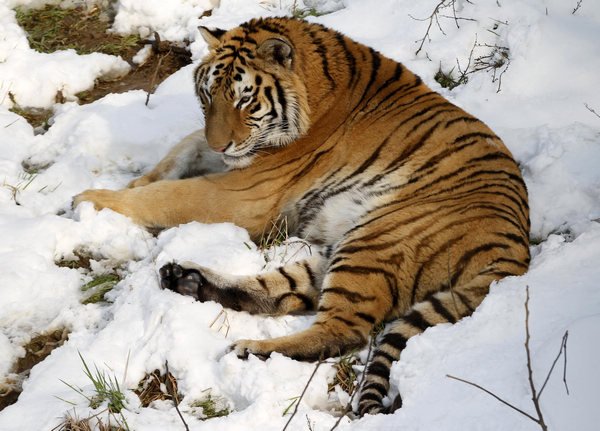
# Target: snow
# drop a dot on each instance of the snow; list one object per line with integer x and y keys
{"x": 539, "y": 111}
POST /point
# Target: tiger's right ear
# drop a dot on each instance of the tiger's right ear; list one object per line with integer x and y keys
{"x": 277, "y": 50}
{"x": 211, "y": 36}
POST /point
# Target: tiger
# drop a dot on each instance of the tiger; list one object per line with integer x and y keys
{"x": 417, "y": 206}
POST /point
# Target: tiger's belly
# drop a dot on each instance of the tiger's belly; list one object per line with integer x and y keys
{"x": 324, "y": 220}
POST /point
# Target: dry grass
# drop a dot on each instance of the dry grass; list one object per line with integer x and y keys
{"x": 345, "y": 376}
{"x": 91, "y": 423}
{"x": 156, "y": 386}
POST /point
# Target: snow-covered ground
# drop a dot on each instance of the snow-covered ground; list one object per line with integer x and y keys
{"x": 540, "y": 112}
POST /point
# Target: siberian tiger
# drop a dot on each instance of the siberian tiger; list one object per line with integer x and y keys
{"x": 418, "y": 205}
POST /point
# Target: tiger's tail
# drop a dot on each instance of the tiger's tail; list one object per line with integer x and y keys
{"x": 445, "y": 306}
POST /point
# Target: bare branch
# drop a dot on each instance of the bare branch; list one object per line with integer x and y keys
{"x": 577, "y": 7}
{"x": 591, "y": 110}
{"x": 495, "y": 396}
{"x": 360, "y": 385}
{"x": 563, "y": 347}
{"x": 431, "y": 18}
{"x": 534, "y": 396}
{"x": 174, "y": 396}
{"x": 302, "y": 394}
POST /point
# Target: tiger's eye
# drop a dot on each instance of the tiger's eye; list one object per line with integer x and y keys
{"x": 243, "y": 101}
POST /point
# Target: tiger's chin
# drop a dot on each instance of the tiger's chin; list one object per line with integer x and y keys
{"x": 238, "y": 162}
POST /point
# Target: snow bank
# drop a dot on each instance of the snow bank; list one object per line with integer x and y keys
{"x": 34, "y": 79}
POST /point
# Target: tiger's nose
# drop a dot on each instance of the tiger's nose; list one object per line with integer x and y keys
{"x": 223, "y": 148}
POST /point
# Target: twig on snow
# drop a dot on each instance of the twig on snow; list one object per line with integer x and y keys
{"x": 302, "y": 394}
{"x": 535, "y": 394}
{"x": 174, "y": 396}
{"x": 563, "y": 349}
{"x": 591, "y": 110}
{"x": 493, "y": 395}
{"x": 434, "y": 15}
{"x": 360, "y": 385}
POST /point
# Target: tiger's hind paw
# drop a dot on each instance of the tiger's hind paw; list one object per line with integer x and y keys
{"x": 242, "y": 348}
{"x": 180, "y": 280}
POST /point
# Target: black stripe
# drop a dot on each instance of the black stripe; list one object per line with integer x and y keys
{"x": 359, "y": 269}
{"x": 524, "y": 264}
{"x": 398, "y": 341}
{"x": 427, "y": 119}
{"x": 283, "y": 103}
{"x": 366, "y": 317}
{"x": 311, "y": 275}
{"x": 416, "y": 319}
{"x": 387, "y": 356}
{"x": 308, "y": 304}
{"x": 464, "y": 119}
{"x": 312, "y": 162}
{"x": 322, "y": 51}
{"x": 346, "y": 321}
{"x": 441, "y": 310}
{"x": 288, "y": 277}
{"x": 380, "y": 370}
{"x": 372, "y": 396}
{"x": 269, "y": 96}
{"x": 262, "y": 283}
{"x": 403, "y": 92}
{"x": 373, "y": 386}
{"x": 375, "y": 63}
{"x": 516, "y": 238}
{"x": 464, "y": 300}
{"x": 462, "y": 263}
{"x": 350, "y": 296}
{"x": 350, "y": 60}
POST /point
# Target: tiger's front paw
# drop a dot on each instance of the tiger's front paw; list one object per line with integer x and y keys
{"x": 243, "y": 348}
{"x": 140, "y": 182}
{"x": 100, "y": 198}
{"x": 183, "y": 281}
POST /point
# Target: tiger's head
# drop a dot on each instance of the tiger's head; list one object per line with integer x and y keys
{"x": 251, "y": 96}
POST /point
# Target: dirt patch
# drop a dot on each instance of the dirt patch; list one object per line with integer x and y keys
{"x": 36, "y": 351}
{"x": 86, "y": 31}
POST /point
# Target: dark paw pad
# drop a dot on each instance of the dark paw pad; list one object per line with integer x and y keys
{"x": 178, "y": 279}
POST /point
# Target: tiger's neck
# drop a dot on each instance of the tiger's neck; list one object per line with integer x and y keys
{"x": 343, "y": 78}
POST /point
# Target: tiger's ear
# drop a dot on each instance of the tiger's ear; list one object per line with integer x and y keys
{"x": 276, "y": 50}
{"x": 212, "y": 36}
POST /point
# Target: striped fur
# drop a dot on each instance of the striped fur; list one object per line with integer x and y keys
{"x": 418, "y": 205}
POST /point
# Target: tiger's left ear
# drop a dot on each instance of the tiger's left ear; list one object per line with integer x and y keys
{"x": 211, "y": 36}
{"x": 276, "y": 50}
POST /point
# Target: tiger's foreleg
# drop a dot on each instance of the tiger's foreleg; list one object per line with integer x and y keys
{"x": 190, "y": 157}
{"x": 352, "y": 300}
{"x": 291, "y": 288}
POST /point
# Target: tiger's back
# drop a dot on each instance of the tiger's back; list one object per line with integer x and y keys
{"x": 418, "y": 205}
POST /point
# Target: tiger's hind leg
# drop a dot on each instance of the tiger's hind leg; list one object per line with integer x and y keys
{"x": 291, "y": 288}
{"x": 190, "y": 157}
{"x": 439, "y": 307}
